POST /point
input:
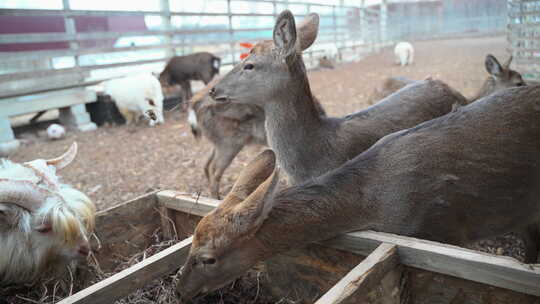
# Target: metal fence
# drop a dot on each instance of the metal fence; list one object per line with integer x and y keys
{"x": 83, "y": 46}
{"x": 524, "y": 36}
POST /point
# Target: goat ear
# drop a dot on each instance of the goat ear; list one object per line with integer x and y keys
{"x": 493, "y": 66}
{"x": 249, "y": 215}
{"x": 7, "y": 218}
{"x": 285, "y": 34}
{"x": 65, "y": 159}
{"x": 253, "y": 175}
{"x": 307, "y": 31}
{"x": 508, "y": 62}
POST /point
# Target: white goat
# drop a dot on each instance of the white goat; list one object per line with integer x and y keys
{"x": 44, "y": 224}
{"x": 404, "y": 53}
{"x": 56, "y": 131}
{"x": 137, "y": 95}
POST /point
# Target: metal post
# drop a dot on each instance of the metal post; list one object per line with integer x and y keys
{"x": 69, "y": 24}
{"x": 167, "y": 25}
{"x": 382, "y": 21}
{"x": 231, "y": 33}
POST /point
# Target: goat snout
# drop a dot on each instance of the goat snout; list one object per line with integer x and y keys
{"x": 84, "y": 250}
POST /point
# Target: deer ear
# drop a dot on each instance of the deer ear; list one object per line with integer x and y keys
{"x": 307, "y": 31}
{"x": 493, "y": 66}
{"x": 249, "y": 215}
{"x": 285, "y": 33}
{"x": 508, "y": 62}
{"x": 253, "y": 175}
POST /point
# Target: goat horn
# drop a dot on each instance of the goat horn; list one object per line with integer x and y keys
{"x": 65, "y": 159}
{"x": 21, "y": 193}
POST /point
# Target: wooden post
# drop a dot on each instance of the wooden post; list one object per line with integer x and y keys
{"x": 8, "y": 143}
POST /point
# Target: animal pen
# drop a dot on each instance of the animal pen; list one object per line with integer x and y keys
{"x": 54, "y": 67}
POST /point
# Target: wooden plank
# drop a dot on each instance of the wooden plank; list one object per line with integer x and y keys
{"x": 455, "y": 261}
{"x": 54, "y": 100}
{"x": 124, "y": 230}
{"x": 136, "y": 276}
{"x": 364, "y": 277}
{"x": 189, "y": 204}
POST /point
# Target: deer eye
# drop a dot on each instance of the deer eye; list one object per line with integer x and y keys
{"x": 44, "y": 228}
{"x": 249, "y": 66}
{"x": 209, "y": 261}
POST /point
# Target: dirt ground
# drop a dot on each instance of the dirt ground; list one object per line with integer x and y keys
{"x": 121, "y": 162}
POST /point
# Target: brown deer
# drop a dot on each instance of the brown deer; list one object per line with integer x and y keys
{"x": 229, "y": 127}
{"x": 471, "y": 174}
{"x": 273, "y": 77}
{"x": 500, "y": 77}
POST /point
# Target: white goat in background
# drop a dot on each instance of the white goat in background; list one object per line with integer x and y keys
{"x": 404, "y": 53}
{"x": 136, "y": 96}
{"x": 44, "y": 224}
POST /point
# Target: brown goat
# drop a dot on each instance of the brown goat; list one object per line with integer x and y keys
{"x": 228, "y": 127}
{"x": 181, "y": 69}
{"x": 471, "y": 174}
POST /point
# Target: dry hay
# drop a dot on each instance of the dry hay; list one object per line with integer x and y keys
{"x": 248, "y": 289}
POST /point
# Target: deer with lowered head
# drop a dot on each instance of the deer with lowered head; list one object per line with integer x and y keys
{"x": 307, "y": 145}
{"x": 500, "y": 77}
{"x": 471, "y": 174}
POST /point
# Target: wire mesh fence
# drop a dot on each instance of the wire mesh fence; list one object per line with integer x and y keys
{"x": 523, "y": 36}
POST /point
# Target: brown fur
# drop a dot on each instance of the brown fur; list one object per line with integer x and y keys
{"x": 308, "y": 145}
{"x": 438, "y": 181}
{"x": 229, "y": 127}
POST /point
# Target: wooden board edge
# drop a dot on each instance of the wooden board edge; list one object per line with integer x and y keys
{"x": 125, "y": 282}
{"x": 186, "y": 203}
{"x": 365, "y": 276}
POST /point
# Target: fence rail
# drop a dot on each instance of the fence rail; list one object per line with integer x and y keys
{"x": 102, "y": 53}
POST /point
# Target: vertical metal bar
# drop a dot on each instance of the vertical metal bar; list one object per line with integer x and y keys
{"x": 232, "y": 47}
{"x": 70, "y": 28}
{"x": 382, "y": 22}
{"x": 167, "y": 25}
{"x": 334, "y": 24}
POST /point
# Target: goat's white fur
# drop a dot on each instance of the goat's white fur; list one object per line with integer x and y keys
{"x": 132, "y": 94}
{"x": 25, "y": 253}
{"x": 404, "y": 53}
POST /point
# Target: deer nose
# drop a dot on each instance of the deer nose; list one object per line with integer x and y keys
{"x": 84, "y": 250}
{"x": 212, "y": 92}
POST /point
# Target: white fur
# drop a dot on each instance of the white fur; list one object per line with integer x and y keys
{"x": 192, "y": 118}
{"x": 132, "y": 94}
{"x": 25, "y": 253}
{"x": 404, "y": 53}
{"x": 56, "y": 131}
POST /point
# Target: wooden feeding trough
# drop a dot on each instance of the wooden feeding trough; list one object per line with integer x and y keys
{"x": 360, "y": 267}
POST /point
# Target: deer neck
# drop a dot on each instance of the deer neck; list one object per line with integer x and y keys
{"x": 487, "y": 88}
{"x": 292, "y": 120}
{"x": 320, "y": 209}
